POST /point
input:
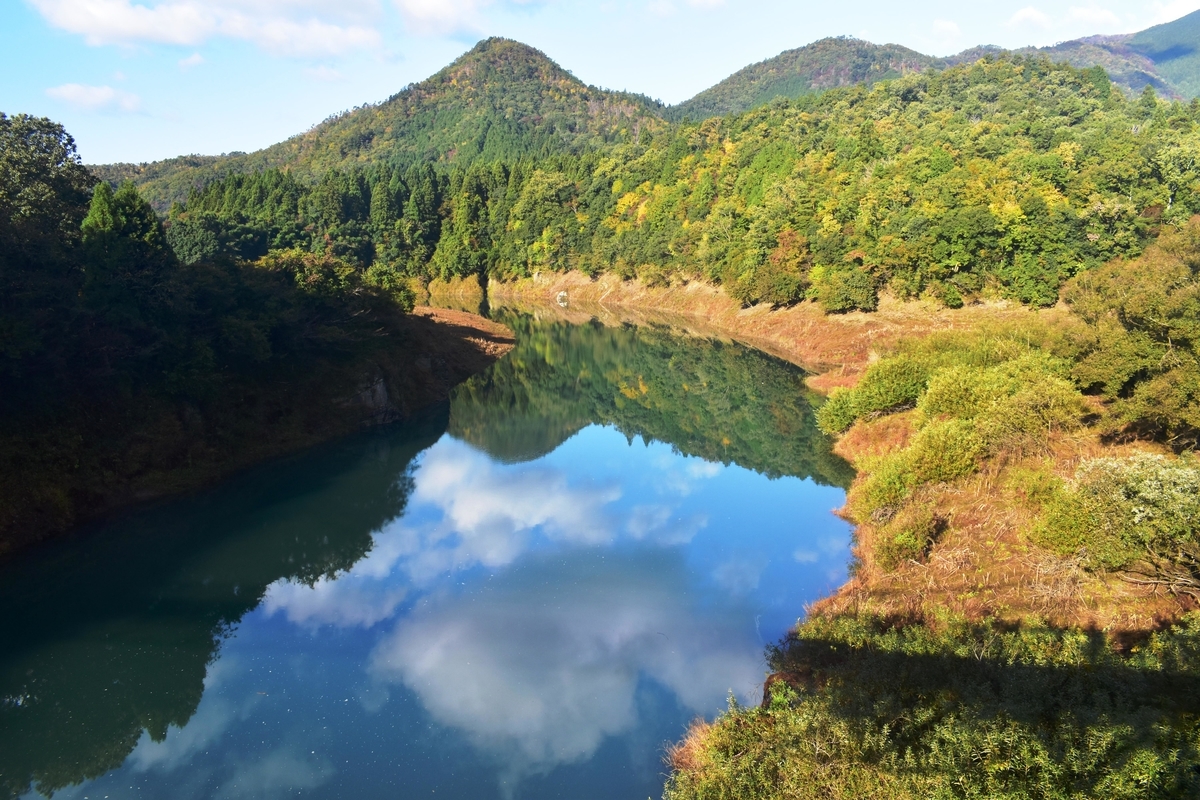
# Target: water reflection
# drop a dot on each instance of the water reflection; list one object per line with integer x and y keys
{"x": 530, "y": 607}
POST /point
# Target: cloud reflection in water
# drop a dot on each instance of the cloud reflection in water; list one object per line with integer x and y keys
{"x": 532, "y": 600}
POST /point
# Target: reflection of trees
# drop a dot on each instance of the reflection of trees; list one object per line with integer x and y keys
{"x": 716, "y": 400}
{"x": 110, "y": 636}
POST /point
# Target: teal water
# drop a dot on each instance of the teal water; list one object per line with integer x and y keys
{"x": 525, "y": 594}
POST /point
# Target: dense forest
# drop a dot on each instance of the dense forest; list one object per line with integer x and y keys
{"x": 501, "y": 101}
{"x": 130, "y": 372}
{"x": 1001, "y": 178}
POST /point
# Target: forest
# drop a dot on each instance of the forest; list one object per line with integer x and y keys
{"x": 999, "y": 179}
{"x": 128, "y": 370}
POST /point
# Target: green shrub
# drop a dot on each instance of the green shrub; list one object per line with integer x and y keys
{"x": 869, "y": 708}
{"x": 1014, "y": 404}
{"x": 843, "y": 289}
{"x": 1139, "y": 514}
{"x": 944, "y": 451}
{"x": 888, "y": 484}
{"x": 838, "y": 413}
{"x": 889, "y": 384}
{"x": 909, "y": 536}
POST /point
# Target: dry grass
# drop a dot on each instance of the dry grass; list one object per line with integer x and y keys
{"x": 983, "y": 564}
{"x": 687, "y": 755}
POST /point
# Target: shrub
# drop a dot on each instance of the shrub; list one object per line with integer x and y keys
{"x": 888, "y": 385}
{"x": 889, "y": 482}
{"x": 909, "y": 536}
{"x": 842, "y": 289}
{"x": 864, "y": 707}
{"x": 944, "y": 451}
{"x": 1140, "y": 515}
{"x": 839, "y": 412}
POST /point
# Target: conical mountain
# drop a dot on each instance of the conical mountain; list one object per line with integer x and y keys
{"x": 500, "y": 100}
{"x": 825, "y": 64}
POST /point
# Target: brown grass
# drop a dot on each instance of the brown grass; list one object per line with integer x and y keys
{"x": 983, "y": 564}
{"x": 687, "y": 755}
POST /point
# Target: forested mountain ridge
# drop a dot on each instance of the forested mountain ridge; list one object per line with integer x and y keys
{"x": 502, "y": 100}
{"x": 1165, "y": 57}
{"x": 825, "y": 64}
{"x": 1000, "y": 178}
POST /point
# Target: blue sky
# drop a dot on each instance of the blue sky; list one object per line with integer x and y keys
{"x": 138, "y": 80}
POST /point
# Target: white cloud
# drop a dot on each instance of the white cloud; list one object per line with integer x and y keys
{"x": 95, "y": 98}
{"x": 194, "y": 60}
{"x": 287, "y": 27}
{"x": 349, "y": 601}
{"x": 806, "y": 556}
{"x": 1031, "y": 17}
{"x": 441, "y": 16}
{"x": 1097, "y": 17}
{"x": 546, "y": 666}
{"x": 741, "y": 574}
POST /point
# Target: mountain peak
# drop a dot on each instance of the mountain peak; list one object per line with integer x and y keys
{"x": 824, "y": 64}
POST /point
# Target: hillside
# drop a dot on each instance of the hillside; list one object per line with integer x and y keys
{"x": 1174, "y": 49}
{"x": 1166, "y": 57}
{"x": 826, "y": 64}
{"x": 501, "y": 100}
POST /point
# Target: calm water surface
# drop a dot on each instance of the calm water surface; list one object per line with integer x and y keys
{"x": 525, "y": 594}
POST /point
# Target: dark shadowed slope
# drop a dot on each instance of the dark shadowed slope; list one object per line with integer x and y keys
{"x": 1174, "y": 48}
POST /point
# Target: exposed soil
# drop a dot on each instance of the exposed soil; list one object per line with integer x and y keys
{"x": 983, "y": 564}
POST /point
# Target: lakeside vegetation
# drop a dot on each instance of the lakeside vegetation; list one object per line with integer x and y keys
{"x": 864, "y": 707}
{"x": 128, "y": 372}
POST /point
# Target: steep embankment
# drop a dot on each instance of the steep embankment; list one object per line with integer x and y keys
{"x": 983, "y": 563}
{"x": 121, "y": 453}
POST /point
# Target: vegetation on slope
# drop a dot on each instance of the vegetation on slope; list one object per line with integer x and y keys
{"x": 941, "y": 708}
{"x": 1174, "y": 48}
{"x": 500, "y": 101}
{"x": 128, "y": 373}
{"x": 1001, "y": 178}
{"x": 824, "y": 64}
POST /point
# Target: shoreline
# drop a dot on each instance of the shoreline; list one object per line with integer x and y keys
{"x": 437, "y": 349}
{"x": 983, "y": 566}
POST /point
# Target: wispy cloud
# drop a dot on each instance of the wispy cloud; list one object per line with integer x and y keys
{"x": 194, "y": 60}
{"x": 286, "y": 27}
{"x": 1030, "y": 17}
{"x": 96, "y": 98}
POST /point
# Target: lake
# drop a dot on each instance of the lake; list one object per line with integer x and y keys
{"x": 526, "y": 593}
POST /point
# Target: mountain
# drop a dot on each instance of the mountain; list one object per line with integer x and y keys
{"x": 1166, "y": 57}
{"x": 1174, "y": 49}
{"x": 826, "y": 64}
{"x": 502, "y": 99}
